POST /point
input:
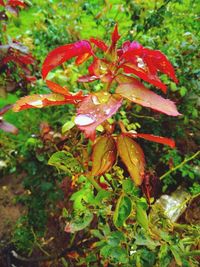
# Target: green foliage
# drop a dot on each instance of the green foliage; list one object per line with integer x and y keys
{"x": 65, "y": 161}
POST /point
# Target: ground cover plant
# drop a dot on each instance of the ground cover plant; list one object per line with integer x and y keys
{"x": 108, "y": 172}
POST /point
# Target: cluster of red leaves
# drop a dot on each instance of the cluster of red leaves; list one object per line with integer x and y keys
{"x": 13, "y": 5}
{"x": 119, "y": 69}
{"x": 18, "y": 54}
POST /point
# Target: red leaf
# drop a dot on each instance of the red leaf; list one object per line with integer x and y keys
{"x": 138, "y": 93}
{"x": 56, "y": 88}
{"x": 160, "y": 61}
{"x": 133, "y": 157}
{"x": 145, "y": 63}
{"x": 103, "y": 185}
{"x": 94, "y": 110}
{"x": 19, "y": 59}
{"x": 5, "y": 109}
{"x": 115, "y": 36}
{"x": 64, "y": 53}
{"x": 82, "y": 58}
{"x": 103, "y": 155}
{"x": 15, "y": 3}
{"x": 40, "y": 101}
{"x": 145, "y": 75}
{"x": 99, "y": 43}
{"x": 94, "y": 68}
{"x": 25, "y": 59}
{"x": 2, "y": 3}
{"x": 158, "y": 139}
{"x": 7, "y": 127}
{"x": 154, "y": 138}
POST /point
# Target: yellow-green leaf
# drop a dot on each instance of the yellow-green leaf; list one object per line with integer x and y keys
{"x": 122, "y": 211}
{"x": 104, "y": 155}
{"x": 132, "y": 156}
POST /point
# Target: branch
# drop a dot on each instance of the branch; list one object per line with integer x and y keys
{"x": 180, "y": 165}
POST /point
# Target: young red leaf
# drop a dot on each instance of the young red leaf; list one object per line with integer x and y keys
{"x": 95, "y": 109}
{"x": 160, "y": 61}
{"x": 64, "y": 53}
{"x": 115, "y": 36}
{"x": 56, "y": 88}
{"x": 138, "y": 93}
{"x": 40, "y": 101}
{"x": 154, "y": 138}
{"x": 103, "y": 155}
{"x": 99, "y": 43}
{"x": 133, "y": 157}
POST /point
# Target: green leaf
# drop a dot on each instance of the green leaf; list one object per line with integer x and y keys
{"x": 67, "y": 126}
{"x": 143, "y": 239}
{"x": 116, "y": 238}
{"x": 122, "y": 211}
{"x": 129, "y": 187}
{"x": 164, "y": 256}
{"x": 175, "y": 251}
{"x": 183, "y": 91}
{"x": 116, "y": 254}
{"x": 133, "y": 157}
{"x": 85, "y": 195}
{"x": 102, "y": 195}
{"x": 79, "y": 222}
{"x": 141, "y": 215}
{"x": 97, "y": 233}
{"x": 65, "y": 161}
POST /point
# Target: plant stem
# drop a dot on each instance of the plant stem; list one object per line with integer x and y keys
{"x": 180, "y": 165}
{"x": 94, "y": 183}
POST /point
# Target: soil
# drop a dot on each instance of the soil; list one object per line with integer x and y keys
{"x": 10, "y": 187}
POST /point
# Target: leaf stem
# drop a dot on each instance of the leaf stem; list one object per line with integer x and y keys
{"x": 180, "y": 165}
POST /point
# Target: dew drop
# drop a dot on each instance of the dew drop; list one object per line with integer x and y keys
{"x": 83, "y": 120}
{"x": 107, "y": 111}
{"x": 95, "y": 100}
{"x": 140, "y": 63}
{"x": 37, "y": 103}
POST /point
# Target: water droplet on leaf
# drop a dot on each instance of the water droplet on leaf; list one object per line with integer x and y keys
{"x": 84, "y": 119}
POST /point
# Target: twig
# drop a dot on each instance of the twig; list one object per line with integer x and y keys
{"x": 51, "y": 257}
{"x": 180, "y": 165}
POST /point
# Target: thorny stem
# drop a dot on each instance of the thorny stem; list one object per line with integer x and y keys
{"x": 180, "y": 165}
